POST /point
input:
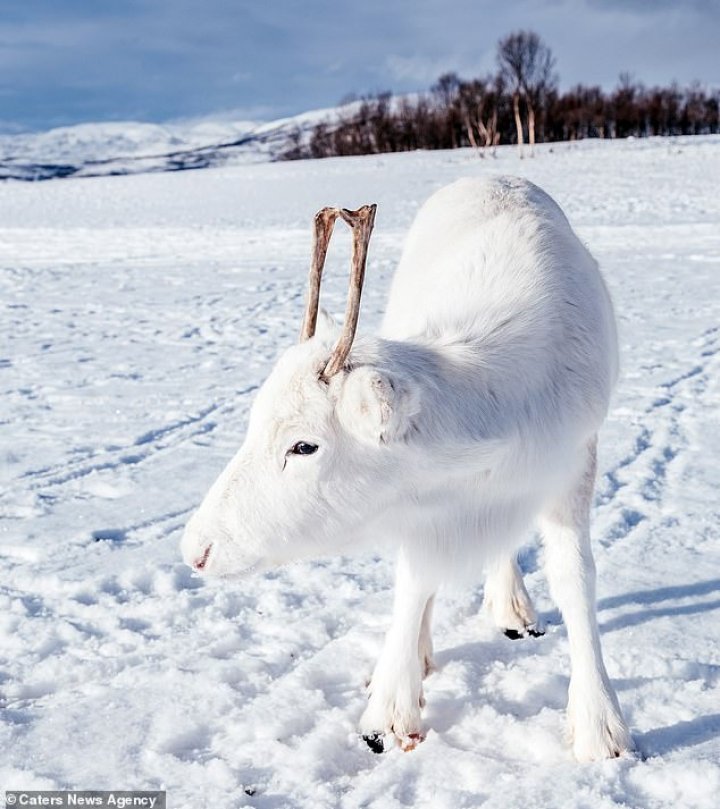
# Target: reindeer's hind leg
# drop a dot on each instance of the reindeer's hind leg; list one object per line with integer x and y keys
{"x": 508, "y": 602}
{"x": 596, "y": 724}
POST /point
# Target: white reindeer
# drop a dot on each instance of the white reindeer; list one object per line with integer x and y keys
{"x": 472, "y": 417}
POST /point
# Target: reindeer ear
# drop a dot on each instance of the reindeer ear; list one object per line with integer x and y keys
{"x": 375, "y": 408}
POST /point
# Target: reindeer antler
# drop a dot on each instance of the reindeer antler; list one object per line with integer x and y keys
{"x": 361, "y": 222}
{"x": 324, "y": 224}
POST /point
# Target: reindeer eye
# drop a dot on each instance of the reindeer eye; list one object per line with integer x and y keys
{"x": 303, "y": 448}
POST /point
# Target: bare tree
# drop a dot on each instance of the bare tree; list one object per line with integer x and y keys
{"x": 528, "y": 66}
{"x": 695, "y": 108}
{"x": 540, "y": 79}
{"x": 446, "y": 92}
{"x": 479, "y": 101}
{"x": 626, "y": 107}
{"x": 511, "y": 60}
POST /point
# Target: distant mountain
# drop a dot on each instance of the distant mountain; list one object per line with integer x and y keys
{"x": 99, "y": 149}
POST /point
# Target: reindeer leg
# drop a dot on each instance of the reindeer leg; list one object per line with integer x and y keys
{"x": 596, "y": 724}
{"x": 508, "y": 602}
{"x": 393, "y": 710}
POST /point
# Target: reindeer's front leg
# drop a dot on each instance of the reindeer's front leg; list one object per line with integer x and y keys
{"x": 396, "y": 697}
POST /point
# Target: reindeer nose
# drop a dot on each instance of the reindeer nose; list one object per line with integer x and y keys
{"x": 201, "y": 561}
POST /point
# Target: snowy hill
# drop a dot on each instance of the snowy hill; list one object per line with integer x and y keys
{"x": 139, "y": 315}
{"x": 130, "y": 147}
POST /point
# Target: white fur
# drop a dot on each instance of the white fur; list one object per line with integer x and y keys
{"x": 473, "y": 416}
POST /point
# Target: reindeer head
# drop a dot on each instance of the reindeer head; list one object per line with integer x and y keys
{"x": 316, "y": 451}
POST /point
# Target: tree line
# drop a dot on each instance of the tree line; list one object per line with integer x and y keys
{"x": 520, "y": 103}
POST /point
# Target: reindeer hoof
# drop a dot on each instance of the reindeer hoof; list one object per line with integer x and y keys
{"x": 534, "y": 631}
{"x": 411, "y": 741}
{"x": 375, "y": 741}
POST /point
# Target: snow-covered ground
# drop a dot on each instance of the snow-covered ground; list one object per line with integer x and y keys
{"x": 140, "y": 313}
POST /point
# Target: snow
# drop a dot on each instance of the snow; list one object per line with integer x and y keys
{"x": 139, "y": 315}
{"x": 132, "y": 147}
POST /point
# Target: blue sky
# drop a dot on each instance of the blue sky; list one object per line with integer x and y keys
{"x": 67, "y": 61}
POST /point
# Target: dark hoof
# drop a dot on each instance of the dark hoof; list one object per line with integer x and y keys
{"x": 531, "y": 631}
{"x": 375, "y": 742}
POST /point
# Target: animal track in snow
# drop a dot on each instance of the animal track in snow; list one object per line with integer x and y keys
{"x": 638, "y": 481}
